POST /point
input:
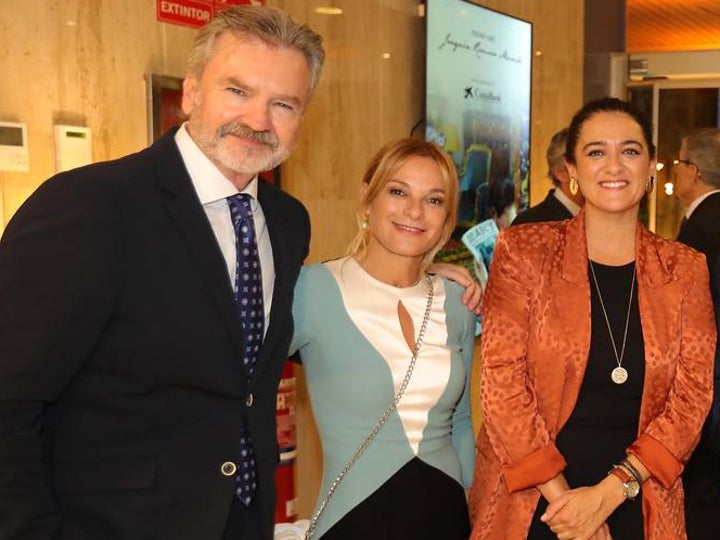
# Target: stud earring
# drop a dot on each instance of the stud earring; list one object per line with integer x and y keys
{"x": 574, "y": 186}
{"x": 364, "y": 225}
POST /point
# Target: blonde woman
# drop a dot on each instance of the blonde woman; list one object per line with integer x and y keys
{"x": 374, "y": 325}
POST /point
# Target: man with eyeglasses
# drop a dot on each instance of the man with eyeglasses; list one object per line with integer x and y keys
{"x": 697, "y": 184}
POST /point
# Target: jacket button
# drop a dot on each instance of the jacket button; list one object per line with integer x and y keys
{"x": 249, "y": 400}
{"x": 228, "y": 468}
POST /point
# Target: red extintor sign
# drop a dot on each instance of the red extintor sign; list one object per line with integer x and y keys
{"x": 195, "y": 13}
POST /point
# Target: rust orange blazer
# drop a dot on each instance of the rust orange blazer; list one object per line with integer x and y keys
{"x": 535, "y": 344}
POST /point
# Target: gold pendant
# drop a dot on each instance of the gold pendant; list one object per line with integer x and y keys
{"x": 619, "y": 375}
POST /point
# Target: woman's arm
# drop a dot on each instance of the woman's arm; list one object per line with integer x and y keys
{"x": 516, "y": 430}
{"x": 463, "y": 436}
{"x": 301, "y": 320}
{"x": 666, "y": 443}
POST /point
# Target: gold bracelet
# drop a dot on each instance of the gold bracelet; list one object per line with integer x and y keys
{"x": 631, "y": 487}
{"x": 632, "y": 470}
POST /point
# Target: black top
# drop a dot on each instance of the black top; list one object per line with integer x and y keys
{"x": 606, "y": 416}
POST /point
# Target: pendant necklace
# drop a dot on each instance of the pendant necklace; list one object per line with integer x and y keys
{"x": 619, "y": 374}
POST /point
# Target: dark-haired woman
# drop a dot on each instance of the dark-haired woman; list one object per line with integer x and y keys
{"x": 597, "y": 348}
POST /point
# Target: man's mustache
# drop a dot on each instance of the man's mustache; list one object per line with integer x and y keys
{"x": 245, "y": 131}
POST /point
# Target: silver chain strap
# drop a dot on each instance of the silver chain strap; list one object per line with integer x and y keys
{"x": 381, "y": 421}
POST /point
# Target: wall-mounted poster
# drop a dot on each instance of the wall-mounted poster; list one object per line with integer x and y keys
{"x": 478, "y": 81}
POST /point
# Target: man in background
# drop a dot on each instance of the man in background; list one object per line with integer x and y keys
{"x": 146, "y": 312}
{"x": 560, "y": 202}
{"x": 697, "y": 184}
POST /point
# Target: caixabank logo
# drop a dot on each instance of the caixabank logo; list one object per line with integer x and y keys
{"x": 475, "y": 93}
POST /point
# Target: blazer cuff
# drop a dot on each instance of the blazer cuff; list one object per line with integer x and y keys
{"x": 539, "y": 467}
{"x": 664, "y": 467}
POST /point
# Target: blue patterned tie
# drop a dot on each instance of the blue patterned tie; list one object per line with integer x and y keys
{"x": 249, "y": 303}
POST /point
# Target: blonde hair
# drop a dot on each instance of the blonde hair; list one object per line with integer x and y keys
{"x": 273, "y": 27}
{"x": 380, "y": 170}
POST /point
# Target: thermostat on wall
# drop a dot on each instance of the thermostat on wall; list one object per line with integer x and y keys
{"x": 73, "y": 147}
{"x": 13, "y": 147}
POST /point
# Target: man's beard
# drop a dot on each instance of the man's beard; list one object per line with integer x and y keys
{"x": 239, "y": 159}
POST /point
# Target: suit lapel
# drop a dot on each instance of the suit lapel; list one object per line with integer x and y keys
{"x": 571, "y": 296}
{"x": 281, "y": 300}
{"x": 184, "y": 210}
{"x": 658, "y": 291}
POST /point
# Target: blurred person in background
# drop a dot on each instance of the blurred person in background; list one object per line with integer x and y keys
{"x": 697, "y": 185}
{"x": 560, "y": 203}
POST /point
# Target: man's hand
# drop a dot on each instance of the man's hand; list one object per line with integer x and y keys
{"x": 472, "y": 296}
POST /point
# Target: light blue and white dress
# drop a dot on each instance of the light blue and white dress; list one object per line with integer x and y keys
{"x": 348, "y": 332}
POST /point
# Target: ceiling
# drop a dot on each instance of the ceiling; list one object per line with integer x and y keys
{"x": 672, "y": 25}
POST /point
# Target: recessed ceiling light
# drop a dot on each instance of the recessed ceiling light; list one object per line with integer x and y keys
{"x": 328, "y": 10}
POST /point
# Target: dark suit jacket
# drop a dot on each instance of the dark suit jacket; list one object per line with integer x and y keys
{"x": 549, "y": 210}
{"x": 702, "y": 232}
{"x": 122, "y": 389}
{"x": 702, "y": 474}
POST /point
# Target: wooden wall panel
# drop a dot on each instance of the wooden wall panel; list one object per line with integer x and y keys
{"x": 672, "y": 25}
{"x": 80, "y": 62}
{"x": 362, "y": 101}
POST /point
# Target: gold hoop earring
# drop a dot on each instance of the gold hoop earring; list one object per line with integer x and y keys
{"x": 650, "y": 185}
{"x": 574, "y": 186}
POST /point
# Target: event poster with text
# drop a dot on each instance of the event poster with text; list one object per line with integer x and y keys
{"x": 478, "y": 105}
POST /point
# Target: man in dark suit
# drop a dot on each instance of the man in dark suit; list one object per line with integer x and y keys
{"x": 560, "y": 203}
{"x": 133, "y": 404}
{"x": 697, "y": 184}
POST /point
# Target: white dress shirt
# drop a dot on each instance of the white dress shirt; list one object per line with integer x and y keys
{"x": 213, "y": 188}
{"x": 572, "y": 207}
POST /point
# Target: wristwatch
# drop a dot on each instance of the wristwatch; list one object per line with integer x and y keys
{"x": 630, "y": 485}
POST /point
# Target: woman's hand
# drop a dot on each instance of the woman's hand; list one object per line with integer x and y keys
{"x": 462, "y": 276}
{"x": 603, "y": 533}
{"x": 580, "y": 514}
